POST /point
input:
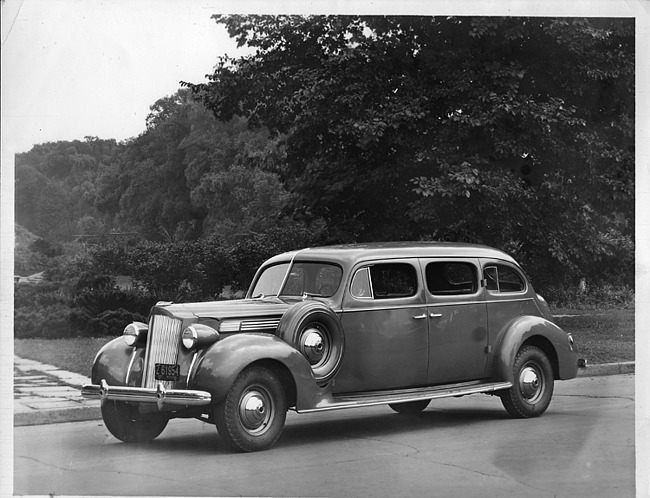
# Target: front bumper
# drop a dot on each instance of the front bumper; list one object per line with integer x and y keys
{"x": 160, "y": 395}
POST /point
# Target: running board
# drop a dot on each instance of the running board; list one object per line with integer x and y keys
{"x": 358, "y": 400}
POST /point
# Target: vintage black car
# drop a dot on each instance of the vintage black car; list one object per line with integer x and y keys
{"x": 337, "y": 327}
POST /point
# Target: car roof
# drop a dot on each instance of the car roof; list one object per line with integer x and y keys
{"x": 353, "y": 253}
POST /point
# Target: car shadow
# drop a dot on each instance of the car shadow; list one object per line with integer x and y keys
{"x": 358, "y": 425}
{"x": 314, "y": 430}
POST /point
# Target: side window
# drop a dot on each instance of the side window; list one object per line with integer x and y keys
{"x": 392, "y": 280}
{"x": 360, "y": 287}
{"x": 446, "y": 278}
{"x": 502, "y": 278}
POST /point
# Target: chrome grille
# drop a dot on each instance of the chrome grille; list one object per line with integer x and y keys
{"x": 163, "y": 345}
{"x": 252, "y": 325}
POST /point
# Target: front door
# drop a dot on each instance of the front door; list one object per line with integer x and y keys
{"x": 386, "y": 331}
{"x": 457, "y": 316}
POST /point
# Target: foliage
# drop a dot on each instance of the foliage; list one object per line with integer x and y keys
{"x": 51, "y": 321}
{"x": 513, "y": 132}
{"x": 516, "y": 132}
{"x": 55, "y": 184}
{"x": 601, "y": 297}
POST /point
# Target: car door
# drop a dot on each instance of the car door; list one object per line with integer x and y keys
{"x": 457, "y": 317}
{"x": 386, "y": 330}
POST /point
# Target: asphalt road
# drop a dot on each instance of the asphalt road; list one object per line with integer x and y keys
{"x": 583, "y": 446}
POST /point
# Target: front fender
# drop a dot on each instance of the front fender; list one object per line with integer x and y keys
{"x": 219, "y": 366}
{"x": 112, "y": 363}
{"x": 539, "y": 332}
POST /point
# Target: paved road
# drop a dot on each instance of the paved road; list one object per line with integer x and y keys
{"x": 583, "y": 446}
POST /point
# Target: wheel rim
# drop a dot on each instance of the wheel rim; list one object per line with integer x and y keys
{"x": 256, "y": 410}
{"x": 315, "y": 345}
{"x": 531, "y": 382}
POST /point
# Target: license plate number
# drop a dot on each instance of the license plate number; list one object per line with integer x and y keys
{"x": 166, "y": 371}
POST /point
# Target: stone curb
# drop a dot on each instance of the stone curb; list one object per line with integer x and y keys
{"x": 74, "y": 408}
{"x": 626, "y": 367}
{"x": 62, "y": 405}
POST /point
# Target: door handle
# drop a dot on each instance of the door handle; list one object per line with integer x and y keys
{"x": 435, "y": 315}
{"x": 420, "y": 317}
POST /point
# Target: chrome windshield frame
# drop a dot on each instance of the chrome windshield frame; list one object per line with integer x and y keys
{"x": 286, "y": 275}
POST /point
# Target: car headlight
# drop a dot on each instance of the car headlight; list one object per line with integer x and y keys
{"x": 135, "y": 333}
{"x": 199, "y": 336}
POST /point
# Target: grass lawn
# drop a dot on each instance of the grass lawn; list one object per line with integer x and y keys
{"x": 605, "y": 336}
{"x": 602, "y": 336}
{"x": 73, "y": 354}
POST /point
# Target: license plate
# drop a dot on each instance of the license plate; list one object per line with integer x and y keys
{"x": 166, "y": 371}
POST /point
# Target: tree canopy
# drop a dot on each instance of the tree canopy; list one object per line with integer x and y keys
{"x": 516, "y": 132}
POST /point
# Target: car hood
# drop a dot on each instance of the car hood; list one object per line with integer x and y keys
{"x": 219, "y": 310}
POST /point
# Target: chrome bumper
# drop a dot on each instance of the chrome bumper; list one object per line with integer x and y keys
{"x": 160, "y": 395}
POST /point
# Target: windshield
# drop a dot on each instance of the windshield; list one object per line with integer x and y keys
{"x": 313, "y": 279}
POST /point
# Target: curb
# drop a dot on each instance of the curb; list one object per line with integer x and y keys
{"x": 42, "y": 417}
{"x": 72, "y": 407}
{"x": 45, "y": 394}
{"x": 626, "y": 367}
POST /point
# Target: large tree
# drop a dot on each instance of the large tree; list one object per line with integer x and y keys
{"x": 517, "y": 132}
{"x": 189, "y": 175}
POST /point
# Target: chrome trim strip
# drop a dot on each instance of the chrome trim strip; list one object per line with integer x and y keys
{"x": 384, "y": 308}
{"x": 189, "y": 372}
{"x": 435, "y": 305}
{"x": 384, "y": 398}
{"x": 128, "y": 370}
{"x": 496, "y": 301}
{"x": 159, "y": 395}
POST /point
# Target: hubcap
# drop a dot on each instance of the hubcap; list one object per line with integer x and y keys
{"x": 313, "y": 344}
{"x": 531, "y": 383}
{"x": 256, "y": 410}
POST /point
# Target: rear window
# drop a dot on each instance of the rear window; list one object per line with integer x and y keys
{"x": 502, "y": 278}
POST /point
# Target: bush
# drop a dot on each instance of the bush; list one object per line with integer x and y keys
{"x": 109, "y": 322}
{"x": 42, "y": 321}
{"x": 593, "y": 297}
{"x": 41, "y": 294}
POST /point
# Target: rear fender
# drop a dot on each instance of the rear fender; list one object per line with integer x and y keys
{"x": 538, "y": 332}
{"x": 218, "y": 367}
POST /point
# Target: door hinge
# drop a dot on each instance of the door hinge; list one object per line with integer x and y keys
{"x": 488, "y": 349}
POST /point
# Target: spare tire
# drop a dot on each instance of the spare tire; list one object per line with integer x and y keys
{"x": 316, "y": 332}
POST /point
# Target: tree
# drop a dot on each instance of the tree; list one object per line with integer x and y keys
{"x": 516, "y": 132}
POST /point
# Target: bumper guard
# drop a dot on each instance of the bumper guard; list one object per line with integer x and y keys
{"x": 160, "y": 395}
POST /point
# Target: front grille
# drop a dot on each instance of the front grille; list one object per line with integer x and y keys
{"x": 163, "y": 345}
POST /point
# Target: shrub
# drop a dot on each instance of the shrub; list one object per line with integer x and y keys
{"x": 42, "y": 321}
{"x": 593, "y": 297}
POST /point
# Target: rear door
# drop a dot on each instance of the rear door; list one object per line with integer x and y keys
{"x": 457, "y": 316}
{"x": 386, "y": 330}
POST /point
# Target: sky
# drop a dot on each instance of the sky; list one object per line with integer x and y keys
{"x": 76, "y": 68}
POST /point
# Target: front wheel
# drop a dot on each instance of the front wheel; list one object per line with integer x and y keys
{"x": 533, "y": 384}
{"x": 125, "y": 422}
{"x": 252, "y": 416}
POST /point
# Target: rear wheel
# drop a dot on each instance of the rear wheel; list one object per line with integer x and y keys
{"x": 533, "y": 384}
{"x": 252, "y": 416}
{"x": 127, "y": 424}
{"x": 410, "y": 407}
